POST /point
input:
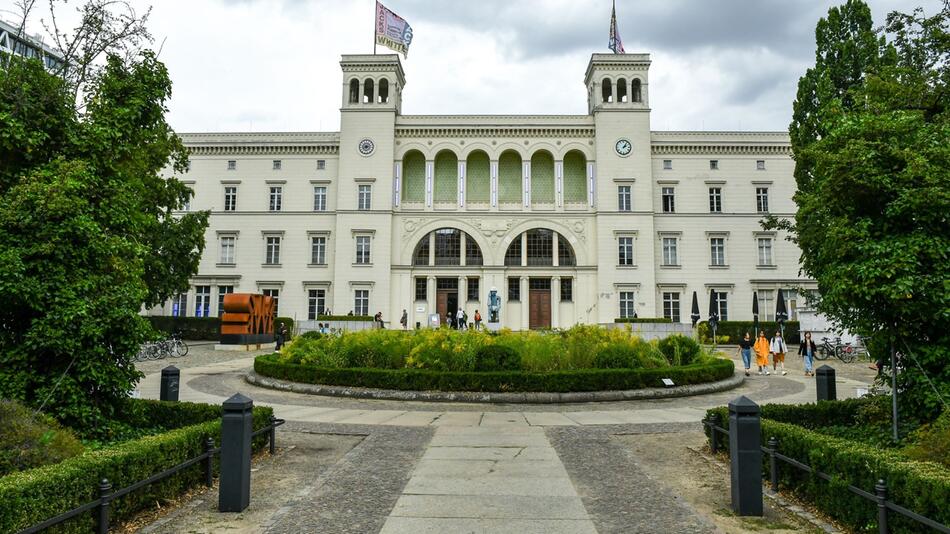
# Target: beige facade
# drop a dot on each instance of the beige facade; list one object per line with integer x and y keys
{"x": 572, "y": 218}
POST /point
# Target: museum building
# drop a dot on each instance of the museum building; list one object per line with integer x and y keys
{"x": 571, "y": 218}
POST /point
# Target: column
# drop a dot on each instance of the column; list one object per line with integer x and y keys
{"x": 555, "y": 301}
{"x": 559, "y": 183}
{"x": 526, "y": 181}
{"x": 493, "y": 167}
{"x": 590, "y": 183}
{"x": 463, "y": 293}
{"x": 555, "y": 250}
{"x": 431, "y": 248}
{"x": 397, "y": 183}
{"x": 462, "y": 244}
{"x": 524, "y": 248}
{"x": 430, "y": 298}
{"x": 525, "y": 305}
{"x": 430, "y": 166}
{"x": 461, "y": 183}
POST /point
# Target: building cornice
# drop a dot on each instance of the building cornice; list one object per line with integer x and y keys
{"x": 493, "y": 131}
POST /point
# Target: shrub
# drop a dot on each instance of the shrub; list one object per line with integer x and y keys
{"x": 497, "y": 358}
{"x": 616, "y": 357}
{"x": 28, "y": 441}
{"x": 734, "y": 330}
{"x": 932, "y": 441}
{"x": 311, "y": 335}
{"x": 275, "y": 366}
{"x": 679, "y": 349}
{"x": 29, "y": 497}
{"x": 193, "y": 328}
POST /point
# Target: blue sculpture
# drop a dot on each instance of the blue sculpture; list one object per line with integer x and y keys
{"x": 494, "y": 305}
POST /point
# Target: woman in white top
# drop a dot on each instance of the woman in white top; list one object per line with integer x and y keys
{"x": 778, "y": 348}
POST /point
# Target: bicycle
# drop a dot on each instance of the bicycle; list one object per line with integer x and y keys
{"x": 825, "y": 349}
{"x": 178, "y": 346}
{"x": 843, "y": 351}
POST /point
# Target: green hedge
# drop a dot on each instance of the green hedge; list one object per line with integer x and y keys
{"x": 345, "y": 318}
{"x": 643, "y": 320}
{"x": 32, "y": 496}
{"x": 194, "y": 328}
{"x": 923, "y": 487}
{"x": 500, "y": 381}
{"x": 736, "y": 329}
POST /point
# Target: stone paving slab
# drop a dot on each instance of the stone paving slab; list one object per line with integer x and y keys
{"x": 594, "y": 418}
{"x": 490, "y": 468}
{"x": 511, "y": 485}
{"x": 459, "y": 419}
{"x": 503, "y": 419}
{"x": 489, "y": 507}
{"x": 412, "y": 419}
{"x": 371, "y": 417}
{"x": 489, "y": 440}
{"x": 488, "y": 453}
{"x": 548, "y": 419}
{"x": 412, "y": 525}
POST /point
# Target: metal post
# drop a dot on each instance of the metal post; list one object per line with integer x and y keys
{"x": 105, "y": 491}
{"x": 209, "y": 462}
{"x": 234, "y": 494}
{"x": 880, "y": 489}
{"x": 745, "y": 454}
{"x": 825, "y": 382}
{"x": 773, "y": 463}
{"x": 713, "y": 441}
{"x": 273, "y": 435}
{"x": 171, "y": 377}
{"x": 894, "y": 394}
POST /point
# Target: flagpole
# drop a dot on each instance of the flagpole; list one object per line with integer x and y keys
{"x": 375, "y": 12}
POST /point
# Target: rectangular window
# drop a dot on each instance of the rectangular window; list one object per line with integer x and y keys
{"x": 202, "y": 301}
{"x": 319, "y": 198}
{"x": 186, "y": 205}
{"x": 318, "y": 250}
{"x": 623, "y": 198}
{"x": 361, "y": 302}
{"x": 362, "y": 250}
{"x": 473, "y": 289}
{"x": 567, "y": 289}
{"x": 765, "y": 251}
{"x": 230, "y": 198}
{"x": 671, "y": 306}
{"x": 722, "y": 305}
{"x": 222, "y": 291}
{"x": 717, "y": 251}
{"x": 232, "y": 165}
{"x": 762, "y": 199}
{"x": 321, "y": 164}
{"x": 422, "y": 288}
{"x": 277, "y": 164}
{"x": 276, "y": 194}
{"x": 715, "y": 200}
{"x": 514, "y": 289}
{"x": 274, "y": 294}
{"x": 272, "y": 253}
{"x": 625, "y": 252}
{"x": 760, "y": 165}
{"x": 365, "y": 198}
{"x": 316, "y": 303}
{"x": 714, "y": 164}
{"x": 667, "y": 164}
{"x": 180, "y": 305}
{"x": 670, "y": 256}
{"x": 669, "y": 205}
{"x": 766, "y": 305}
{"x": 227, "y": 250}
{"x": 627, "y": 309}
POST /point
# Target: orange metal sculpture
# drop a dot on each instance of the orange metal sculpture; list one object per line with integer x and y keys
{"x": 248, "y": 318}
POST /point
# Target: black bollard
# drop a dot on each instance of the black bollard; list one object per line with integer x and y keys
{"x": 825, "y": 381}
{"x": 234, "y": 495}
{"x": 745, "y": 457}
{"x": 171, "y": 377}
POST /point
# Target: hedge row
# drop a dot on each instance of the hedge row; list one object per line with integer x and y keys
{"x": 643, "y": 320}
{"x": 923, "y": 487}
{"x": 345, "y": 318}
{"x": 736, "y": 329}
{"x": 30, "y": 497}
{"x": 498, "y": 381}
{"x": 193, "y": 328}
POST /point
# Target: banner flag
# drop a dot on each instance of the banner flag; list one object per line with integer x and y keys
{"x": 392, "y": 31}
{"x": 615, "y": 43}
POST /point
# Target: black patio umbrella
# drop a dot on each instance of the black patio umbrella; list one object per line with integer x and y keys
{"x": 781, "y": 313}
{"x": 755, "y": 315}
{"x": 713, "y": 315}
{"x": 694, "y": 314}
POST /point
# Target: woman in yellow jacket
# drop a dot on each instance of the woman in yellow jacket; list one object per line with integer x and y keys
{"x": 761, "y": 348}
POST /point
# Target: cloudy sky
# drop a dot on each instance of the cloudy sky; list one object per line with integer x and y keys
{"x": 273, "y": 65}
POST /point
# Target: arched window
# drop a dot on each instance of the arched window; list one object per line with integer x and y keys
{"x": 509, "y": 177}
{"x": 477, "y": 177}
{"x": 575, "y": 177}
{"x": 542, "y": 177}
{"x": 414, "y": 177}
{"x": 635, "y": 90}
{"x": 354, "y": 91}
{"x": 606, "y": 89}
{"x": 621, "y": 90}
{"x": 448, "y": 249}
{"x": 446, "y": 177}
{"x": 368, "y": 91}
{"x": 383, "y": 96}
{"x": 539, "y": 250}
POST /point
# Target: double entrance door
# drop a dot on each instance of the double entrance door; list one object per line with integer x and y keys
{"x": 446, "y": 297}
{"x": 539, "y": 303}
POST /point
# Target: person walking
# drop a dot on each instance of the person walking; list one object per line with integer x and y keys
{"x": 745, "y": 349}
{"x": 281, "y": 336}
{"x": 478, "y": 320}
{"x": 460, "y": 317}
{"x": 778, "y": 348}
{"x": 761, "y": 348}
{"x": 404, "y": 320}
{"x": 449, "y": 320}
{"x": 807, "y": 350}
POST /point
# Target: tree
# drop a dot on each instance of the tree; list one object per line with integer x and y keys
{"x": 871, "y": 142}
{"x": 87, "y": 232}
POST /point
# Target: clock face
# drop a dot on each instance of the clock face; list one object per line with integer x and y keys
{"x": 623, "y": 147}
{"x": 367, "y": 147}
